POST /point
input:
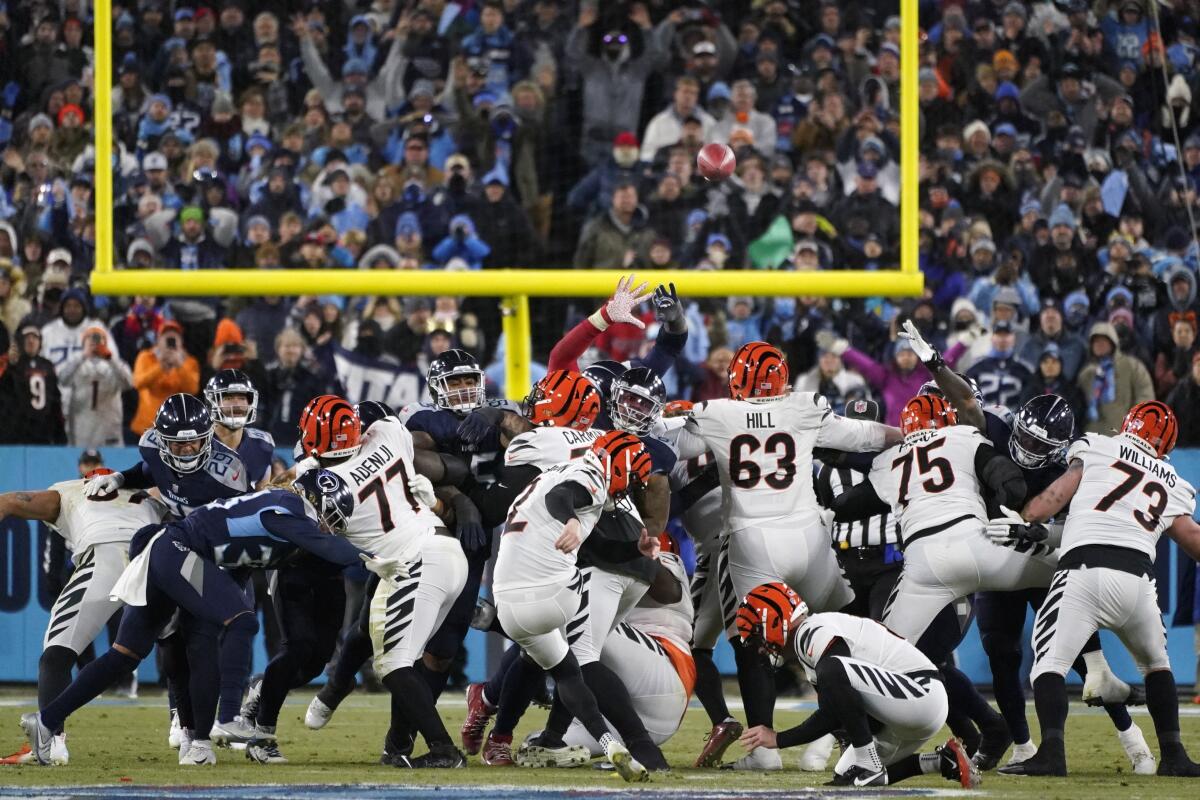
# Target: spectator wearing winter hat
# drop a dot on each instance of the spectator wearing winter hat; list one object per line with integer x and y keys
{"x": 614, "y": 62}
{"x": 592, "y": 195}
{"x": 1185, "y": 402}
{"x": 160, "y": 371}
{"x": 63, "y": 336}
{"x": 1066, "y": 94}
{"x": 192, "y": 248}
{"x": 1049, "y": 377}
{"x": 504, "y": 225}
{"x": 463, "y": 242}
{"x": 1173, "y": 364}
{"x": 31, "y": 400}
{"x": 508, "y": 58}
{"x": 1001, "y": 375}
{"x": 1052, "y": 330}
{"x": 1181, "y": 303}
{"x": 1059, "y": 266}
{"x": 1111, "y": 382}
{"x": 13, "y": 305}
{"x": 355, "y": 73}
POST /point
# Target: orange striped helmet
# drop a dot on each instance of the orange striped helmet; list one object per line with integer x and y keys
{"x": 625, "y": 459}
{"x": 757, "y": 372}
{"x": 769, "y": 614}
{"x": 329, "y": 428}
{"x": 1154, "y": 423}
{"x": 926, "y": 412}
{"x": 563, "y": 399}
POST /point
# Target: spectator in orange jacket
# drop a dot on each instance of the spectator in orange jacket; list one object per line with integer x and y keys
{"x": 160, "y": 371}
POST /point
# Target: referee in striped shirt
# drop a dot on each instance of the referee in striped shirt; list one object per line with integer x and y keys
{"x": 868, "y": 550}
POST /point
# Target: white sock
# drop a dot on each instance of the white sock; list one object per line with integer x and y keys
{"x": 607, "y": 741}
{"x": 1097, "y": 664}
{"x": 930, "y": 763}
{"x": 868, "y": 757}
{"x": 1131, "y": 735}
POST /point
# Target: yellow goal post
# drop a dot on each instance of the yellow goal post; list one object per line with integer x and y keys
{"x": 514, "y": 287}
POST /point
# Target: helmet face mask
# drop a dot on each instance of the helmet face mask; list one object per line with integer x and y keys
{"x": 637, "y": 401}
{"x": 232, "y": 399}
{"x": 184, "y": 429}
{"x": 456, "y": 382}
{"x": 1041, "y": 432}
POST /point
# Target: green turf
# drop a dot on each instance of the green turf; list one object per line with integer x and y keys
{"x": 122, "y": 740}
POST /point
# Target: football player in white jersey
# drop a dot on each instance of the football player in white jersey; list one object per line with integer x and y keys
{"x": 933, "y": 482}
{"x": 394, "y": 515}
{"x": 1124, "y": 496}
{"x": 879, "y": 690}
{"x": 97, "y": 531}
{"x": 762, "y": 439}
{"x": 649, "y": 653}
{"x": 537, "y": 584}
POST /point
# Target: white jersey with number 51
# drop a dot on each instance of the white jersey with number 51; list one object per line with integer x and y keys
{"x": 764, "y": 453}
{"x": 1126, "y": 496}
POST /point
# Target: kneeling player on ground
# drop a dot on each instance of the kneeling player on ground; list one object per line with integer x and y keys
{"x": 537, "y": 584}
{"x": 879, "y": 690}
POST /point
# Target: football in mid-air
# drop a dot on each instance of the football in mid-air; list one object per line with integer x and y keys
{"x": 716, "y": 161}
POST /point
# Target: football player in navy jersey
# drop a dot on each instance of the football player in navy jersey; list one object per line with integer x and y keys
{"x": 183, "y": 566}
{"x": 1036, "y": 439}
{"x": 181, "y": 460}
{"x": 233, "y": 406}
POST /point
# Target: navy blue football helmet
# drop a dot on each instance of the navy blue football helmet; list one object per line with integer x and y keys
{"x": 185, "y": 432}
{"x": 371, "y": 411}
{"x": 637, "y": 400}
{"x": 456, "y": 365}
{"x": 231, "y": 414}
{"x": 329, "y": 495}
{"x": 1042, "y": 431}
{"x": 602, "y": 374}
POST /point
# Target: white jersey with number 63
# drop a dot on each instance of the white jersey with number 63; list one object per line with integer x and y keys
{"x": 764, "y": 453}
{"x": 1126, "y": 497}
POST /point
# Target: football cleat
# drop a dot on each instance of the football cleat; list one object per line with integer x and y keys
{"x": 536, "y": 752}
{"x": 1022, "y": 752}
{"x": 185, "y": 741}
{"x": 440, "y": 757}
{"x": 249, "y": 709}
{"x": 478, "y": 715}
{"x": 58, "y": 750}
{"x": 40, "y": 737}
{"x": 858, "y": 775}
{"x": 956, "y": 766}
{"x": 127, "y": 687}
{"x": 1182, "y": 767}
{"x": 1134, "y": 743}
{"x": 1049, "y": 762}
{"x": 199, "y": 754}
{"x": 624, "y": 763}
{"x": 993, "y": 745}
{"x": 22, "y": 756}
{"x": 717, "y": 742}
{"x": 266, "y": 752}
{"x": 760, "y": 759}
{"x": 318, "y": 714}
{"x": 176, "y": 731}
{"x": 817, "y": 754}
{"x": 237, "y": 730}
{"x": 497, "y": 751}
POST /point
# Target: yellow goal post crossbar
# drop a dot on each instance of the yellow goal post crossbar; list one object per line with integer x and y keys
{"x": 513, "y": 286}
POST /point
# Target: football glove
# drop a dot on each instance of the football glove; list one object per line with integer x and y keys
{"x": 388, "y": 569}
{"x": 104, "y": 484}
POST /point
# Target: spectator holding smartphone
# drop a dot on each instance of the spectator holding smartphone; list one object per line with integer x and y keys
{"x": 160, "y": 371}
{"x": 95, "y": 378}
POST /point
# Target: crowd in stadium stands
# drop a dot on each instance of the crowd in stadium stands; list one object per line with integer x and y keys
{"x": 1059, "y": 169}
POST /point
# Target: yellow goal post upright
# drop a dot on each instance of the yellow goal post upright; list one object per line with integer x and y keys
{"x": 514, "y": 287}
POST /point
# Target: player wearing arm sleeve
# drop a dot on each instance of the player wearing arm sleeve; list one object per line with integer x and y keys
{"x": 1123, "y": 495}
{"x": 882, "y": 693}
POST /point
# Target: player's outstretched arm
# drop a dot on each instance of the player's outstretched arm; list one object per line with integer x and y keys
{"x": 1186, "y": 534}
{"x": 618, "y": 308}
{"x": 1056, "y": 496}
{"x": 957, "y": 391}
{"x": 858, "y": 502}
{"x": 42, "y": 506}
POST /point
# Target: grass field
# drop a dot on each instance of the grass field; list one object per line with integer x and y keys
{"x": 122, "y": 745}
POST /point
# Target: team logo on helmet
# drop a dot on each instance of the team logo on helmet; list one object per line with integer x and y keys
{"x": 768, "y": 615}
{"x": 757, "y": 373}
{"x": 563, "y": 399}
{"x": 329, "y": 428}
{"x": 624, "y": 459}
{"x": 1154, "y": 423}
{"x": 926, "y": 412}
